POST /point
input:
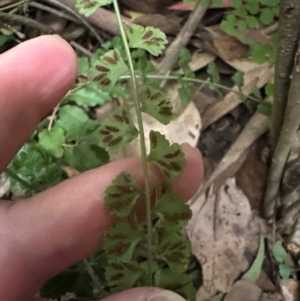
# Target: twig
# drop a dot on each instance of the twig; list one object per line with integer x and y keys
{"x": 77, "y": 16}
{"x": 288, "y": 35}
{"x": 173, "y": 51}
{"x": 53, "y": 11}
{"x": 101, "y": 18}
{"x": 17, "y": 19}
{"x": 81, "y": 49}
{"x": 288, "y": 132}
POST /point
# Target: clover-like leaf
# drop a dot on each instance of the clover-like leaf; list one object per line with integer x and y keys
{"x": 149, "y": 38}
{"x": 116, "y": 130}
{"x": 169, "y": 158}
{"x": 51, "y": 141}
{"x": 121, "y": 239}
{"x": 174, "y": 248}
{"x": 156, "y": 105}
{"x": 87, "y": 7}
{"x": 121, "y": 196}
{"x": 120, "y": 274}
{"x": 171, "y": 209}
{"x": 107, "y": 70}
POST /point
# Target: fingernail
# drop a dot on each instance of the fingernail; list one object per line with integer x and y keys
{"x": 165, "y": 296}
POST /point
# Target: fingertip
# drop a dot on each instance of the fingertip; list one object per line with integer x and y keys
{"x": 188, "y": 184}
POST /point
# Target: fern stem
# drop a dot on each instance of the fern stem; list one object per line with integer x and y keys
{"x": 194, "y": 80}
{"x": 142, "y": 138}
{"x": 93, "y": 276}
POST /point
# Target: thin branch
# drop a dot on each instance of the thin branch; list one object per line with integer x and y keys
{"x": 17, "y": 19}
{"x": 173, "y": 51}
{"x": 288, "y": 36}
{"x": 77, "y": 16}
{"x": 288, "y": 132}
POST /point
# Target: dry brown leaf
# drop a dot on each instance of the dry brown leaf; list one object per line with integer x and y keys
{"x": 256, "y": 78}
{"x": 253, "y": 174}
{"x": 200, "y": 60}
{"x": 230, "y": 48}
{"x": 166, "y": 24}
{"x": 218, "y": 232}
{"x": 244, "y": 288}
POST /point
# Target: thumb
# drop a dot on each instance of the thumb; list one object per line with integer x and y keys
{"x": 145, "y": 294}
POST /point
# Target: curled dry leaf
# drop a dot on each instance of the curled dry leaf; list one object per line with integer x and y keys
{"x": 218, "y": 232}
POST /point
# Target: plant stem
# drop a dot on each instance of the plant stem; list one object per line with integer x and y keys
{"x": 142, "y": 139}
{"x": 190, "y": 79}
{"x": 287, "y": 135}
{"x": 288, "y": 35}
{"x": 92, "y": 274}
{"x": 7, "y": 7}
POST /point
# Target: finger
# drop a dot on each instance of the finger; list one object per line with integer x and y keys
{"x": 34, "y": 77}
{"x": 145, "y": 294}
{"x": 63, "y": 225}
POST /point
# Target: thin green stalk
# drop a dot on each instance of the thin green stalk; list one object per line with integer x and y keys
{"x": 92, "y": 274}
{"x": 190, "y": 79}
{"x": 142, "y": 138}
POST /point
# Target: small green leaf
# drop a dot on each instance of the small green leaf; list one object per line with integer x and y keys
{"x": 285, "y": 271}
{"x": 238, "y": 78}
{"x": 212, "y": 70}
{"x": 218, "y": 3}
{"x": 108, "y": 69}
{"x": 253, "y": 7}
{"x": 280, "y": 253}
{"x": 253, "y": 273}
{"x": 252, "y": 22}
{"x": 237, "y": 3}
{"x": 232, "y": 19}
{"x": 242, "y": 25}
{"x": 184, "y": 57}
{"x": 171, "y": 208}
{"x": 51, "y": 141}
{"x": 174, "y": 248}
{"x": 121, "y": 196}
{"x": 84, "y": 156}
{"x": 83, "y": 65}
{"x": 150, "y": 38}
{"x": 121, "y": 239}
{"x": 35, "y": 167}
{"x": 178, "y": 283}
{"x": 123, "y": 275}
{"x": 75, "y": 123}
{"x": 117, "y": 130}
{"x": 269, "y": 89}
{"x": 241, "y": 11}
{"x": 156, "y": 105}
{"x": 265, "y": 107}
{"x": 226, "y": 27}
{"x": 87, "y": 7}
{"x": 90, "y": 95}
{"x": 266, "y": 16}
{"x": 4, "y": 39}
{"x": 169, "y": 158}
{"x": 186, "y": 91}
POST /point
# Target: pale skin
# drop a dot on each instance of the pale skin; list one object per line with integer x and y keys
{"x": 43, "y": 235}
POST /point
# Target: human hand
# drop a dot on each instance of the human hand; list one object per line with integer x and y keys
{"x": 47, "y": 233}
